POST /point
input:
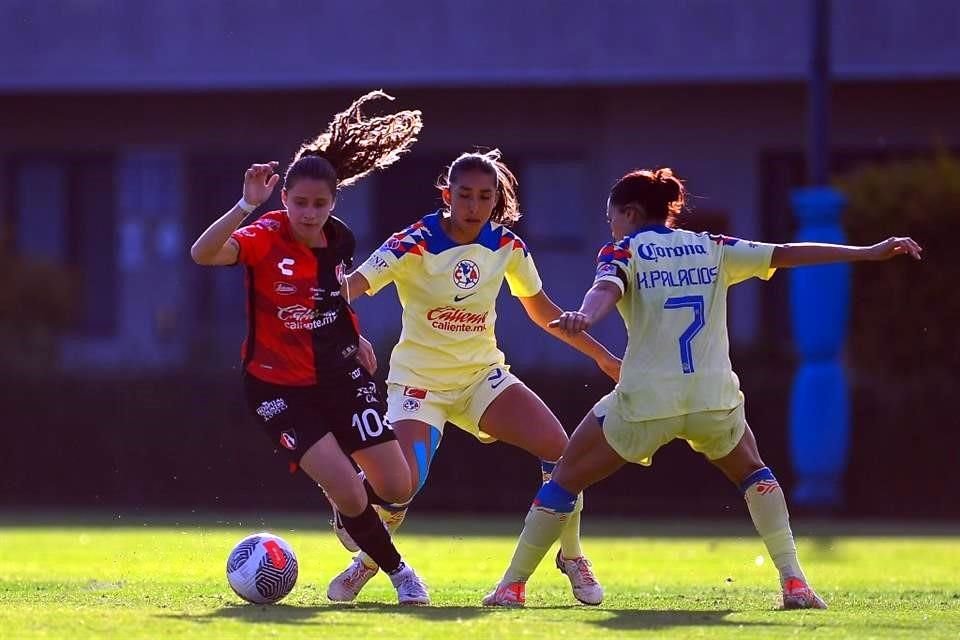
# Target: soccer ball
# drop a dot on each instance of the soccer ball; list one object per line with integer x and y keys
{"x": 262, "y": 568}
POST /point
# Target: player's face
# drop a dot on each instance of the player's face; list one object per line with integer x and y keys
{"x": 308, "y": 203}
{"x": 471, "y": 199}
{"x": 619, "y": 221}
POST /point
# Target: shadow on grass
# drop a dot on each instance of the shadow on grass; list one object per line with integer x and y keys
{"x": 292, "y": 614}
{"x": 614, "y": 619}
{"x": 627, "y": 619}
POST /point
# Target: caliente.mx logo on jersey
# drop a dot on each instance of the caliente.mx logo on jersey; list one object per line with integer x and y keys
{"x": 466, "y": 275}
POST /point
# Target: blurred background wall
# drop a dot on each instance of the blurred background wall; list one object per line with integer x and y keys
{"x": 126, "y": 128}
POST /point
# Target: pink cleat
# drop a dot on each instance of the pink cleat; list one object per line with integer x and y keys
{"x": 511, "y": 594}
{"x": 585, "y": 587}
{"x": 797, "y": 594}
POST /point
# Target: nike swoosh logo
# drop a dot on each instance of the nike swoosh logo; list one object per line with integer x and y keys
{"x": 462, "y": 298}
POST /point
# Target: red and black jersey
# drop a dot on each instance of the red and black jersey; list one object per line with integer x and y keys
{"x": 301, "y": 331}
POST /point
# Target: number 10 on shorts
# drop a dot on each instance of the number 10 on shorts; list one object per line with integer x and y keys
{"x": 368, "y": 424}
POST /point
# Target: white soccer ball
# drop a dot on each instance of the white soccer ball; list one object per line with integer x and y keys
{"x": 262, "y": 568}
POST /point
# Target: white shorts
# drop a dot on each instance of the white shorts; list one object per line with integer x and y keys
{"x": 463, "y": 406}
{"x": 712, "y": 433}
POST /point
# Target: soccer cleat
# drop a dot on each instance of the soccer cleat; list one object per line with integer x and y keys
{"x": 410, "y": 588}
{"x": 797, "y": 594}
{"x": 585, "y": 587}
{"x": 346, "y": 586}
{"x": 510, "y": 594}
{"x": 342, "y": 535}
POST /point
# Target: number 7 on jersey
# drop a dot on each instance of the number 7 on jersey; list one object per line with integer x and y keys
{"x": 686, "y": 338}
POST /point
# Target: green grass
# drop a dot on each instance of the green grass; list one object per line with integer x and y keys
{"x": 164, "y": 578}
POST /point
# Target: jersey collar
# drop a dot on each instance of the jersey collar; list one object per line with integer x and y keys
{"x": 440, "y": 241}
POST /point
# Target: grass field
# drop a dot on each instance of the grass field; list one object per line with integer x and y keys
{"x": 163, "y": 577}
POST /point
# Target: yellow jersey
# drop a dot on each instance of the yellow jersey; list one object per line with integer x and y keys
{"x": 449, "y": 292}
{"x": 674, "y": 305}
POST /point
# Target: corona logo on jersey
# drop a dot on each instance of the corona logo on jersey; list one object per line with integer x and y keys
{"x": 297, "y": 316}
{"x": 458, "y": 320}
{"x": 651, "y": 251}
{"x": 466, "y": 275}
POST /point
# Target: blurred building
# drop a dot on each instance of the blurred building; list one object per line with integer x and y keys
{"x": 126, "y": 128}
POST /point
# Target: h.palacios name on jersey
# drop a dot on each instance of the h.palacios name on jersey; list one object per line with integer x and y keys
{"x": 685, "y": 277}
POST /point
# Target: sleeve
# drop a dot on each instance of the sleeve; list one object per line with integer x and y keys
{"x": 521, "y": 273}
{"x": 743, "y": 259}
{"x": 254, "y": 241}
{"x": 614, "y": 265}
{"x": 384, "y": 265}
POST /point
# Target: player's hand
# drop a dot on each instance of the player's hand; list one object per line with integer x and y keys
{"x": 571, "y": 322}
{"x": 893, "y": 247}
{"x": 366, "y": 356}
{"x": 610, "y": 365}
{"x": 259, "y": 181}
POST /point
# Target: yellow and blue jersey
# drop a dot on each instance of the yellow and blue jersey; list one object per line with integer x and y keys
{"x": 449, "y": 292}
{"x": 674, "y": 305}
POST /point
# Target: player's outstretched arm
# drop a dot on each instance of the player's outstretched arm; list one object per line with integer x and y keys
{"x": 545, "y": 314}
{"x": 215, "y": 246}
{"x": 812, "y": 253}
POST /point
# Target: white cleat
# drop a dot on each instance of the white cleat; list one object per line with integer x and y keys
{"x": 509, "y": 594}
{"x": 347, "y": 586}
{"x": 410, "y": 588}
{"x": 797, "y": 594}
{"x": 585, "y": 587}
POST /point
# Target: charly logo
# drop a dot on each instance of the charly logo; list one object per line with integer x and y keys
{"x": 455, "y": 319}
{"x": 284, "y": 266}
{"x": 284, "y": 288}
{"x": 653, "y": 252}
{"x": 297, "y": 316}
{"x": 466, "y": 274}
{"x": 339, "y": 271}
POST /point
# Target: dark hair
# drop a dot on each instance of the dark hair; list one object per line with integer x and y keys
{"x": 353, "y": 146}
{"x": 659, "y": 193}
{"x": 507, "y": 209}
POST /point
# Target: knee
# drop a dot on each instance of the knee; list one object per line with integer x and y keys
{"x": 351, "y": 499}
{"x": 397, "y": 488}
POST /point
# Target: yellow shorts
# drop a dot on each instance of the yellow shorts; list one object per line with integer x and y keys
{"x": 712, "y": 433}
{"x": 463, "y": 406}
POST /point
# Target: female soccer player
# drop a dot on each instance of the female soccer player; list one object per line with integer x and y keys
{"x": 448, "y": 269}
{"x": 305, "y": 365}
{"x": 670, "y": 286}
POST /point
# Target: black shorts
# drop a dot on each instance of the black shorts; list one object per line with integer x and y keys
{"x": 297, "y": 417}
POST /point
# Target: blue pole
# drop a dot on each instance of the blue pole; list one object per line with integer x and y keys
{"x": 819, "y": 301}
{"x": 819, "y": 405}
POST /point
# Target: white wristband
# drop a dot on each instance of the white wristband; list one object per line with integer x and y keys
{"x": 246, "y": 206}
